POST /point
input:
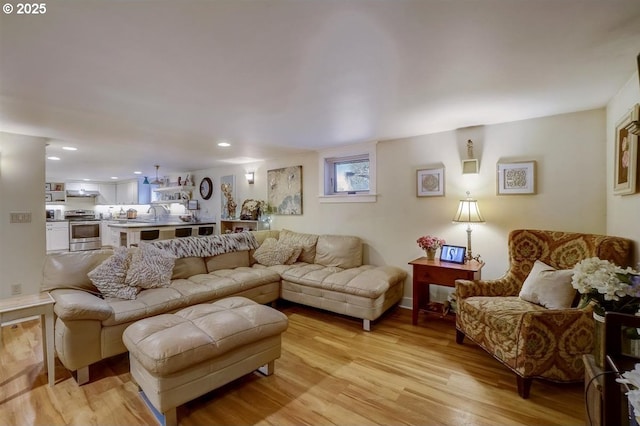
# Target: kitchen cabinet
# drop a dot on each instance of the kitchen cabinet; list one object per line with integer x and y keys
{"x": 133, "y": 192}
{"x": 107, "y": 193}
{"x": 107, "y": 239}
{"x": 54, "y": 193}
{"x": 57, "y": 236}
{"x": 82, "y": 186}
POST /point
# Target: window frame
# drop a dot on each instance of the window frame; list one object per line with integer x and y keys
{"x": 327, "y": 161}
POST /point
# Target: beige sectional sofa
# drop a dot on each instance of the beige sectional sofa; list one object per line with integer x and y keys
{"x": 327, "y": 273}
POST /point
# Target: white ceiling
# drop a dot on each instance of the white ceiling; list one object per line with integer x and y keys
{"x": 138, "y": 83}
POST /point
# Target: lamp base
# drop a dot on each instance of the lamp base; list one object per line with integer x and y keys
{"x": 469, "y": 256}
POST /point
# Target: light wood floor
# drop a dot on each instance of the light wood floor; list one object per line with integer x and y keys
{"x": 330, "y": 372}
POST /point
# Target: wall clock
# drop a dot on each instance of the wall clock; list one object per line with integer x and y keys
{"x": 206, "y": 188}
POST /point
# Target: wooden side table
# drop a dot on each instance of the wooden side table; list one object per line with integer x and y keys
{"x": 22, "y": 307}
{"x": 593, "y": 388}
{"x": 426, "y": 272}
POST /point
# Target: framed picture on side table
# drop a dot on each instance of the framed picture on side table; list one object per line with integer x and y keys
{"x": 626, "y": 155}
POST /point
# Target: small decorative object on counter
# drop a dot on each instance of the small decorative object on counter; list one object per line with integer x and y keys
{"x": 430, "y": 244}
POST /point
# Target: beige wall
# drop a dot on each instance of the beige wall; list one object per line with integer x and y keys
{"x": 571, "y": 180}
{"x": 623, "y": 212}
{"x": 22, "y": 245}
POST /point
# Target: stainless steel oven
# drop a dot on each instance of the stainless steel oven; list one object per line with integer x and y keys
{"x": 84, "y": 230}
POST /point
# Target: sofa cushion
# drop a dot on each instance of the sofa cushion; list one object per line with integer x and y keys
{"x": 188, "y": 266}
{"x": 306, "y": 241}
{"x": 110, "y": 276}
{"x": 70, "y": 269}
{"x": 227, "y": 260}
{"x": 342, "y": 251}
{"x": 366, "y": 280}
{"x": 150, "y": 267}
{"x": 548, "y": 287}
{"x": 275, "y": 252}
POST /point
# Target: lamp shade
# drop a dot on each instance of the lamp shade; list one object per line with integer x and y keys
{"x": 468, "y": 212}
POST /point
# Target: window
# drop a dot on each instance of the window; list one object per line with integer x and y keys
{"x": 349, "y": 174}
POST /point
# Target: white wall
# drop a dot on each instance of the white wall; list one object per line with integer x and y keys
{"x": 623, "y": 211}
{"x": 571, "y": 180}
{"x": 22, "y": 245}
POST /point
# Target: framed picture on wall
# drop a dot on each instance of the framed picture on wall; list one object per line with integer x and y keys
{"x": 626, "y": 155}
{"x": 516, "y": 178}
{"x": 430, "y": 182}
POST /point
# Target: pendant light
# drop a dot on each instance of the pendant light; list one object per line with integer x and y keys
{"x": 157, "y": 181}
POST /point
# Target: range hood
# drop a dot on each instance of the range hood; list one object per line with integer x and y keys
{"x": 81, "y": 193}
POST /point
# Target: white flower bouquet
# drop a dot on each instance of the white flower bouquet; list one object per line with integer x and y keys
{"x": 611, "y": 287}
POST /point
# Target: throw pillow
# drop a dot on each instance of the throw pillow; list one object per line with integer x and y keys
{"x": 274, "y": 252}
{"x": 306, "y": 241}
{"x": 109, "y": 277}
{"x": 150, "y": 267}
{"x": 548, "y": 287}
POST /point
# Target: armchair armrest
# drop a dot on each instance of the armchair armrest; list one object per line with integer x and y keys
{"x": 566, "y": 325}
{"x": 79, "y": 305}
{"x": 505, "y": 286}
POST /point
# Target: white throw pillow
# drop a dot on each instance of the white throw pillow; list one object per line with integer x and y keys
{"x": 150, "y": 267}
{"x": 548, "y": 287}
{"x": 274, "y": 252}
{"x": 109, "y": 277}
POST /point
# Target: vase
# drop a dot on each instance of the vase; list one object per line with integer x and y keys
{"x": 598, "y": 340}
{"x": 431, "y": 254}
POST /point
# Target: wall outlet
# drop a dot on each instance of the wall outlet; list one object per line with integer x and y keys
{"x": 16, "y": 289}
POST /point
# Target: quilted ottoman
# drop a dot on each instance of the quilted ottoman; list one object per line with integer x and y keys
{"x": 177, "y": 357}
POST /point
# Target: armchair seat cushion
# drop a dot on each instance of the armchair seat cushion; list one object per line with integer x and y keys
{"x": 494, "y": 323}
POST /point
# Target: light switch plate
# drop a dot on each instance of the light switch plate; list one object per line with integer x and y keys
{"x": 20, "y": 217}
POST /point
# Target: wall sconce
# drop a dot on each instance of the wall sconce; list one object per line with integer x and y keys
{"x": 250, "y": 177}
{"x": 470, "y": 166}
{"x": 468, "y": 212}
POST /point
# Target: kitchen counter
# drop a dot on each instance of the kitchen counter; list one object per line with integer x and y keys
{"x": 128, "y": 233}
{"x": 159, "y": 224}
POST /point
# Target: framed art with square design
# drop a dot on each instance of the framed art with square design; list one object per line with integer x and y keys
{"x": 516, "y": 178}
{"x": 284, "y": 190}
{"x": 430, "y": 182}
{"x": 626, "y": 156}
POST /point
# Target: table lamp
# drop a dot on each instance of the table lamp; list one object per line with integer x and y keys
{"x": 468, "y": 212}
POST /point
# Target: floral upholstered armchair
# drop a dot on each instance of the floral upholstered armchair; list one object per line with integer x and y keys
{"x": 532, "y": 340}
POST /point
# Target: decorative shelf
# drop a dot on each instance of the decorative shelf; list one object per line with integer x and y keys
{"x": 181, "y": 188}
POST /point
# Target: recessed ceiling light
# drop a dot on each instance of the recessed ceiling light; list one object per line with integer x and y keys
{"x": 224, "y": 144}
{"x": 86, "y": 180}
{"x": 114, "y": 177}
{"x": 137, "y": 172}
{"x": 53, "y": 158}
{"x": 69, "y": 148}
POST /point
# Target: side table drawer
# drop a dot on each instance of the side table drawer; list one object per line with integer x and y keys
{"x": 439, "y": 276}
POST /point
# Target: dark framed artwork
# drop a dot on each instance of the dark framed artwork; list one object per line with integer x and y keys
{"x": 626, "y": 156}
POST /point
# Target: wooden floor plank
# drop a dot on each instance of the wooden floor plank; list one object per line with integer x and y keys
{"x": 330, "y": 372}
